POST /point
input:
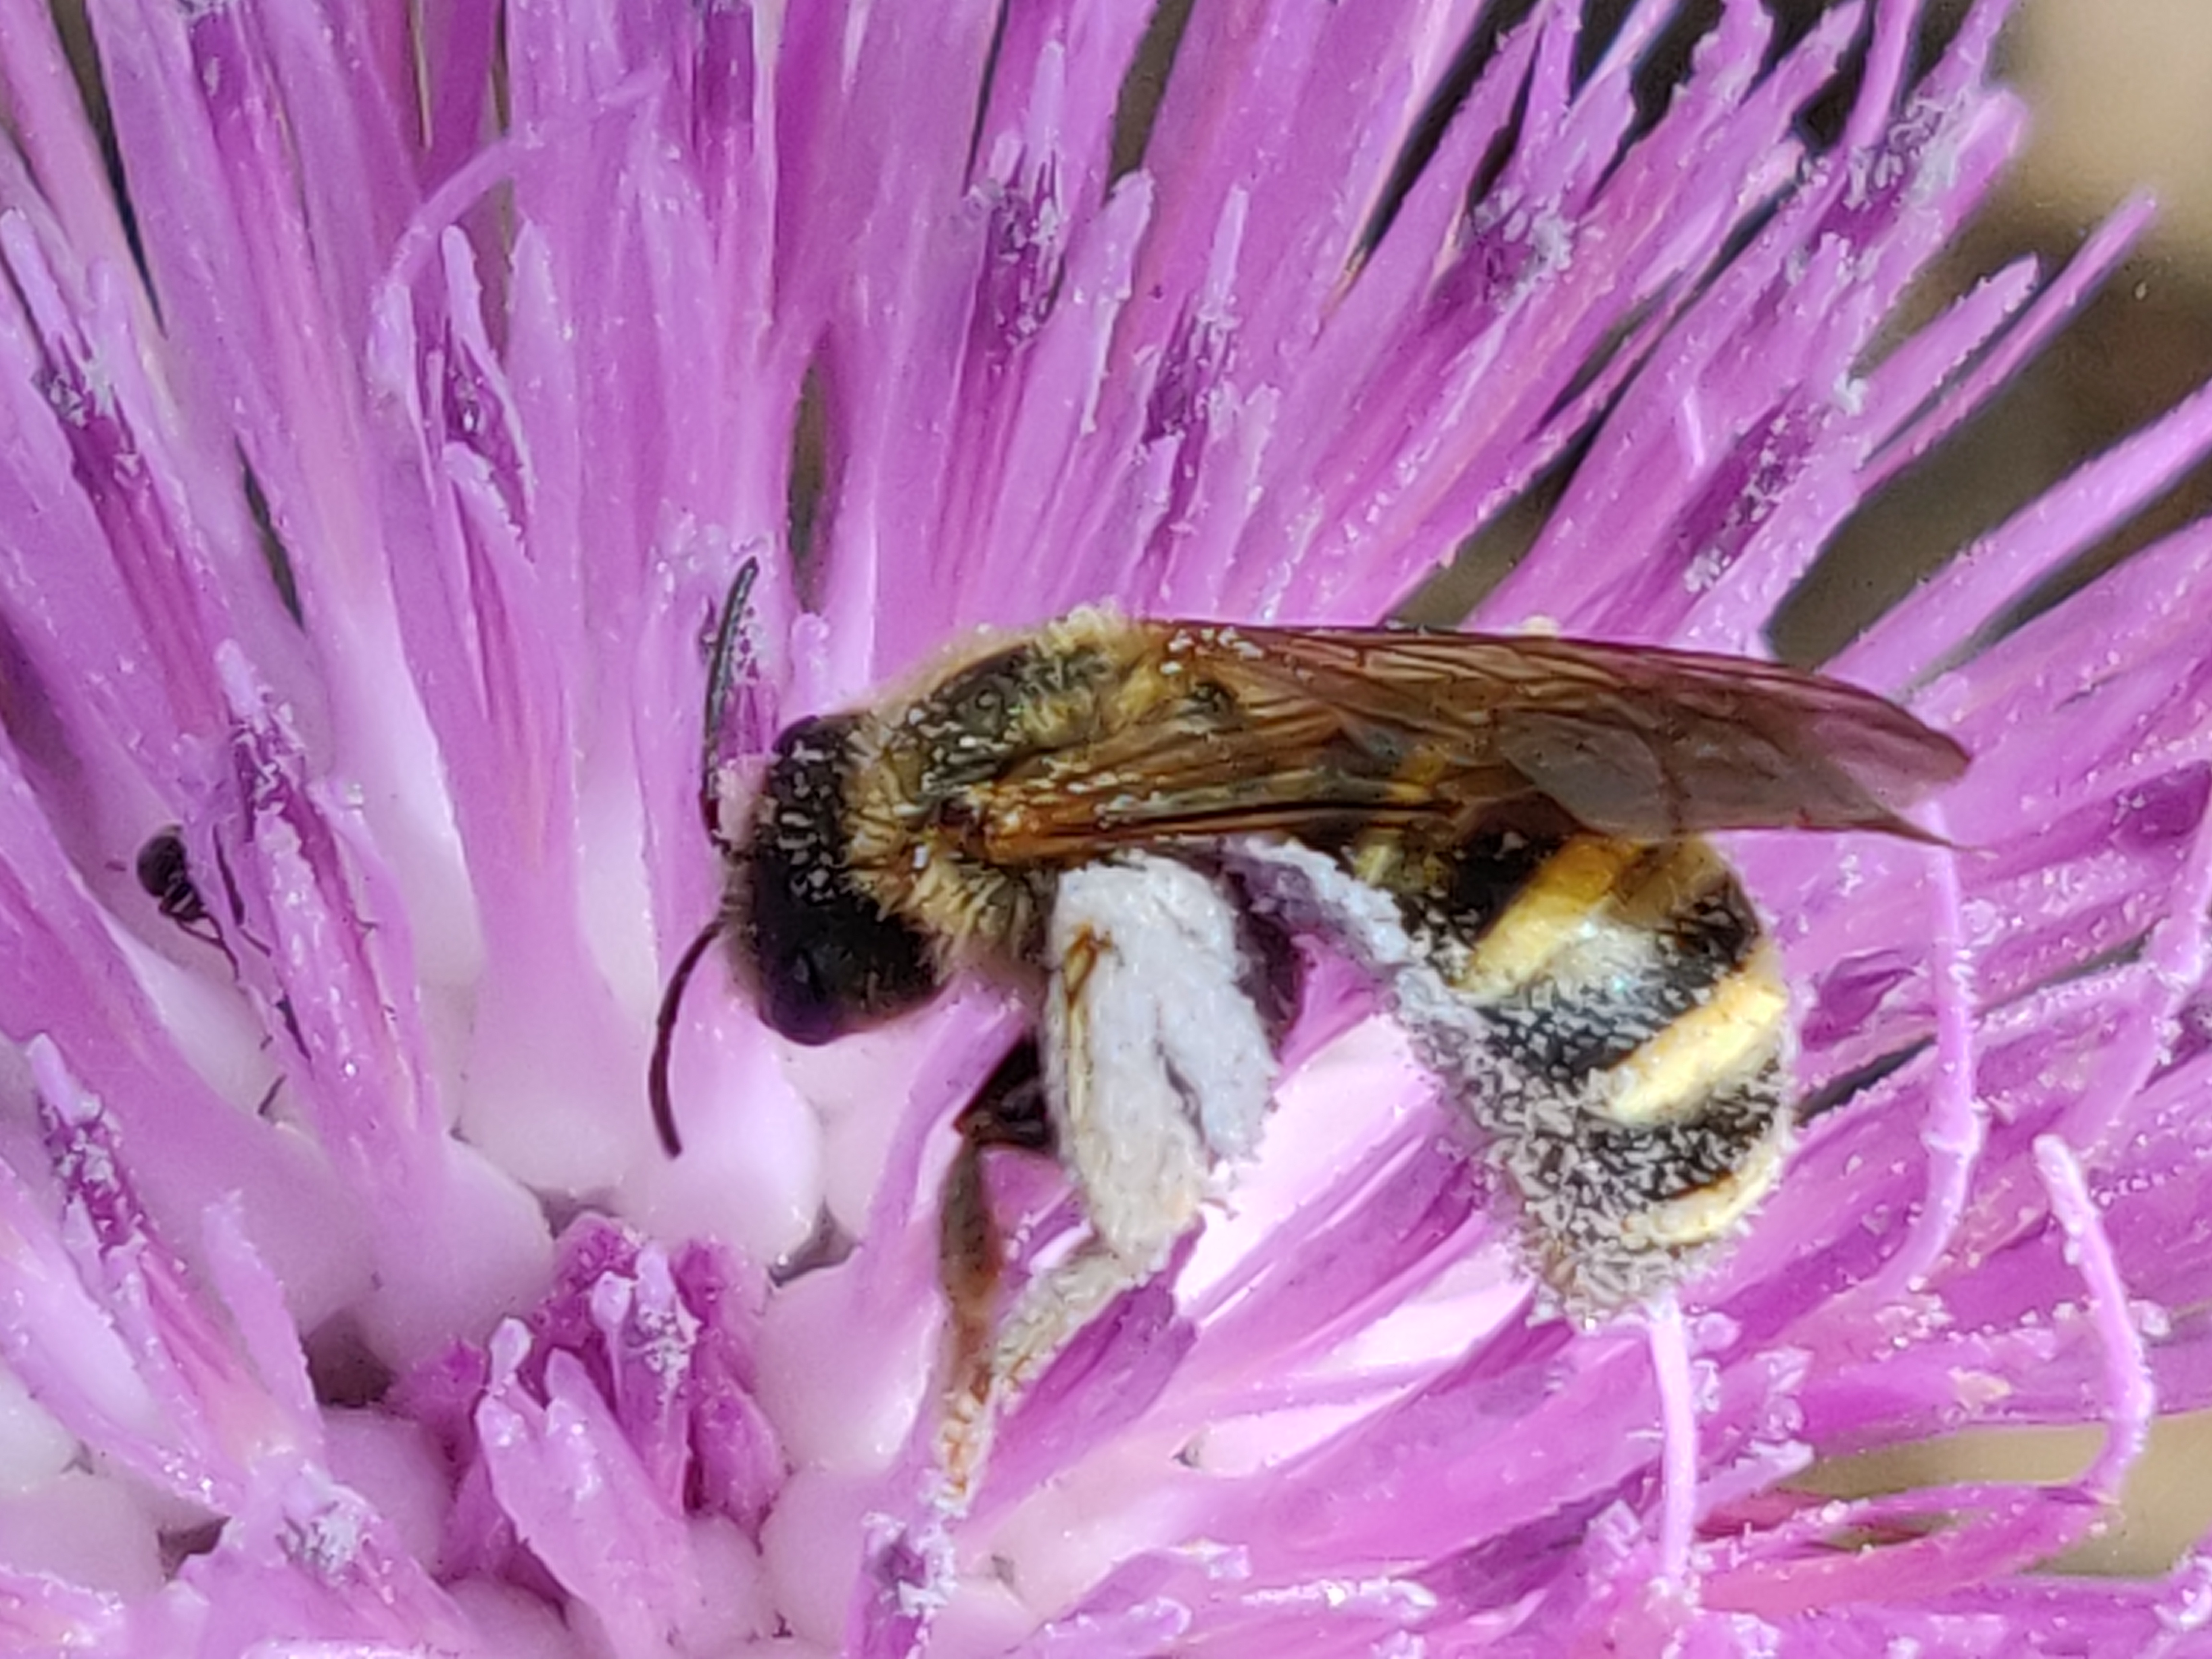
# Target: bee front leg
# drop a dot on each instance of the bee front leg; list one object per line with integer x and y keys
{"x": 1157, "y": 1063}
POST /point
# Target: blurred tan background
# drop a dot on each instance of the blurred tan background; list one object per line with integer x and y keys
{"x": 2122, "y": 95}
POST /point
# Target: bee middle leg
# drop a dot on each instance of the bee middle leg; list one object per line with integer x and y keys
{"x": 1007, "y": 1114}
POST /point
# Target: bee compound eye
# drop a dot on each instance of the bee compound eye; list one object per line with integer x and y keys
{"x": 797, "y": 998}
{"x": 839, "y": 970}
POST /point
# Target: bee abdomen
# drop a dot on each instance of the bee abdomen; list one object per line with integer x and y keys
{"x": 1613, "y": 1214}
{"x": 1639, "y": 1011}
{"x": 1623, "y": 1172}
{"x": 1635, "y": 975}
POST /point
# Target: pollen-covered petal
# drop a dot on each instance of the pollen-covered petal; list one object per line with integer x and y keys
{"x": 153, "y": 1372}
{"x": 329, "y": 950}
{"x": 582, "y": 1502}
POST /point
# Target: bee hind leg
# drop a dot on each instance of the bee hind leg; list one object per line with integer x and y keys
{"x": 1157, "y": 1063}
{"x": 1051, "y": 1311}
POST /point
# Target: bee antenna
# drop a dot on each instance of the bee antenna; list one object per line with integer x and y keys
{"x": 663, "y": 1037}
{"x": 721, "y": 675}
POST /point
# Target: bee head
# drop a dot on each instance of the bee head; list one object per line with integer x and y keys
{"x": 823, "y": 957}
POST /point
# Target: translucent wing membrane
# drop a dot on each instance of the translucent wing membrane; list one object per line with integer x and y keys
{"x": 1315, "y": 733}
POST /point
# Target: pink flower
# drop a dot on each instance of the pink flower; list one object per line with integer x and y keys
{"x": 378, "y": 452}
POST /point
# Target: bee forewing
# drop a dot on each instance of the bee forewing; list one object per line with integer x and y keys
{"x": 1218, "y": 731}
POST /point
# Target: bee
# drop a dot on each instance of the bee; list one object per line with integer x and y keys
{"x": 1121, "y": 818}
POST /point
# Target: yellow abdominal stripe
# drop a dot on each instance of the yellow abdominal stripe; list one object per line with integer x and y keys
{"x": 1730, "y": 1034}
{"x": 1673, "y": 1073}
{"x": 1713, "y": 1211}
{"x": 1545, "y": 916}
